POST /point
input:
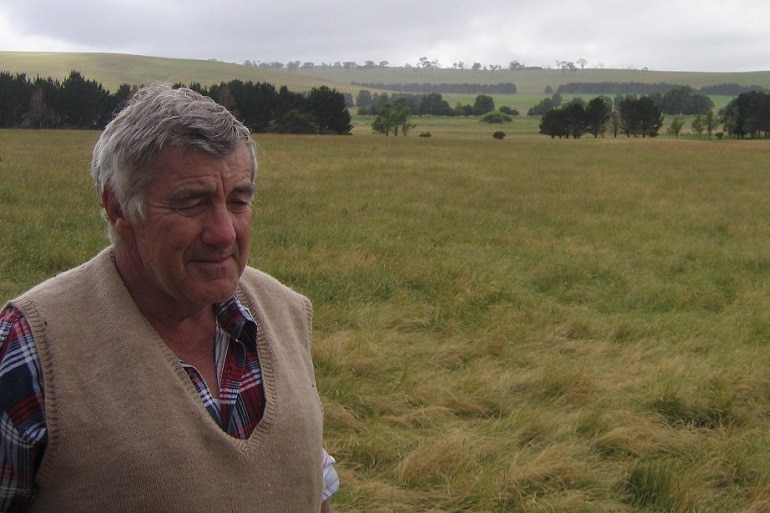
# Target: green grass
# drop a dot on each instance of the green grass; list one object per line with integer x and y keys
{"x": 519, "y": 325}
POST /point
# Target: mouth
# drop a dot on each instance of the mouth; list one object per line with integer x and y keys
{"x": 214, "y": 262}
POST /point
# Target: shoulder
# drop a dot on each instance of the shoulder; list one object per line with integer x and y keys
{"x": 91, "y": 273}
{"x": 262, "y": 283}
{"x": 265, "y": 293}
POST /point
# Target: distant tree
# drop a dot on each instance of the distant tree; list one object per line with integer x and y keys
{"x": 615, "y": 122}
{"x": 710, "y": 122}
{"x": 391, "y": 118}
{"x": 676, "y": 126}
{"x": 483, "y": 104}
{"x": 748, "y": 115}
{"x": 577, "y": 119}
{"x": 15, "y": 95}
{"x": 684, "y": 100}
{"x": 433, "y": 104}
{"x": 329, "y": 111}
{"x": 698, "y": 125}
{"x": 555, "y": 124}
{"x": 640, "y": 117}
{"x": 384, "y": 121}
{"x": 364, "y": 99}
{"x": 598, "y": 115}
{"x": 295, "y": 122}
{"x": 82, "y": 101}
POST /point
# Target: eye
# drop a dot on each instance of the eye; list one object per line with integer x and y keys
{"x": 189, "y": 206}
{"x": 239, "y": 204}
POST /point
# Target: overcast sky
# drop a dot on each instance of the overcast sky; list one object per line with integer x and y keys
{"x": 674, "y": 35}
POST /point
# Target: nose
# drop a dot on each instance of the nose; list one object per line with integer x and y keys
{"x": 219, "y": 227}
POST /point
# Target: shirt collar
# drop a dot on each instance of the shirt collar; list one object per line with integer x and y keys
{"x": 236, "y": 320}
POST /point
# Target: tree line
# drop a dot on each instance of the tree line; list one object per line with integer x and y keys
{"x": 626, "y": 88}
{"x": 77, "y": 102}
{"x": 748, "y": 115}
{"x": 634, "y": 117}
{"x": 430, "y": 104}
{"x": 461, "y": 88}
{"x": 682, "y": 100}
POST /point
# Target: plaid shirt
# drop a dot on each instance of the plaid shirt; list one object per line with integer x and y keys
{"x": 23, "y": 433}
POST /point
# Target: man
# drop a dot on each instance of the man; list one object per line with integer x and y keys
{"x": 164, "y": 374}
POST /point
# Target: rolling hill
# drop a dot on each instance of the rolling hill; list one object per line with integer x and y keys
{"x": 111, "y": 70}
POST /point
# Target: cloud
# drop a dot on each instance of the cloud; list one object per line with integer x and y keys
{"x": 676, "y": 35}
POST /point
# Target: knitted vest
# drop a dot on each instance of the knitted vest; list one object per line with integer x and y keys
{"x": 127, "y": 431}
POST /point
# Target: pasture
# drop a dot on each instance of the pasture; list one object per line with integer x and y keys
{"x": 522, "y": 325}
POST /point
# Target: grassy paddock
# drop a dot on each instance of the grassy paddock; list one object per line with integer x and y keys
{"x": 520, "y": 325}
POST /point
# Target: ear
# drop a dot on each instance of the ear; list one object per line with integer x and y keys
{"x": 114, "y": 212}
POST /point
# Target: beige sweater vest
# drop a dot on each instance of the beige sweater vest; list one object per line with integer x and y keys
{"x": 127, "y": 430}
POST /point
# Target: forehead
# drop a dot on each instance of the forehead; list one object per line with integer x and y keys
{"x": 174, "y": 164}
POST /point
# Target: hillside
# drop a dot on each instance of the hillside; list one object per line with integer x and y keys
{"x": 115, "y": 69}
{"x": 112, "y": 70}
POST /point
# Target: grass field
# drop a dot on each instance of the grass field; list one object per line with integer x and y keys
{"x": 525, "y": 325}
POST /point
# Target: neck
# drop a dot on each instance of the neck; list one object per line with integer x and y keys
{"x": 179, "y": 325}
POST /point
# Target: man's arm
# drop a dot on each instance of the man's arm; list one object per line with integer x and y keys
{"x": 23, "y": 434}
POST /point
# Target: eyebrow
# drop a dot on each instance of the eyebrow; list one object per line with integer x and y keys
{"x": 249, "y": 189}
{"x": 192, "y": 193}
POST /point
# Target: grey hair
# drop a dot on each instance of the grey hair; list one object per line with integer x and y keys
{"x": 158, "y": 116}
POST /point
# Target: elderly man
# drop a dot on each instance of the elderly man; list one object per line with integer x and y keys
{"x": 164, "y": 374}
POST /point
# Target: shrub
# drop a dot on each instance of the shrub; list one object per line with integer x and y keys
{"x": 498, "y": 135}
{"x": 496, "y": 117}
{"x": 508, "y": 110}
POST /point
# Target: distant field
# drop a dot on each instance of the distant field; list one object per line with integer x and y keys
{"x": 115, "y": 69}
{"x": 526, "y": 325}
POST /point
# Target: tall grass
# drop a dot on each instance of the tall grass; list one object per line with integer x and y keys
{"x": 520, "y": 325}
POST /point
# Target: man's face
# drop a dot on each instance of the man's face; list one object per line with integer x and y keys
{"x": 193, "y": 244}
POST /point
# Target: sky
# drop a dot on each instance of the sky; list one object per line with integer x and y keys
{"x": 666, "y": 35}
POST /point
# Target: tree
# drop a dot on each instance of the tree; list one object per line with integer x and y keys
{"x": 615, "y": 122}
{"x": 577, "y": 119}
{"x": 15, "y": 95}
{"x": 329, "y": 111}
{"x": 555, "y": 124}
{"x": 685, "y": 100}
{"x": 391, "y": 118}
{"x": 364, "y": 99}
{"x": 433, "y": 104}
{"x": 295, "y": 122}
{"x": 710, "y": 122}
{"x": 698, "y": 125}
{"x": 748, "y": 115}
{"x": 554, "y": 102}
{"x": 83, "y": 101}
{"x": 676, "y": 126}
{"x": 483, "y": 104}
{"x": 640, "y": 117}
{"x": 598, "y": 115}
